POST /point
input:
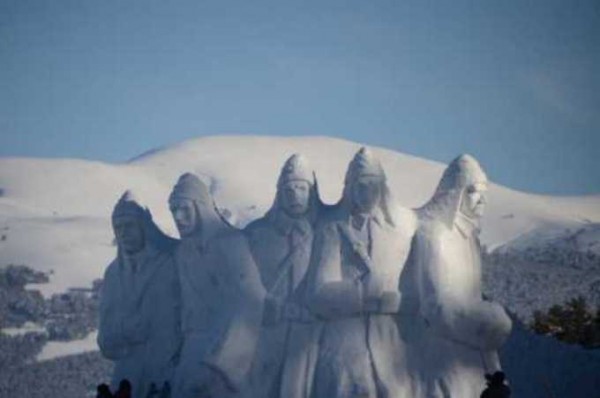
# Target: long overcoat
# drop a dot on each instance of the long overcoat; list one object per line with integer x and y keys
{"x": 139, "y": 326}
{"x": 287, "y": 351}
{"x": 362, "y": 352}
{"x": 461, "y": 331}
{"x": 222, "y": 299}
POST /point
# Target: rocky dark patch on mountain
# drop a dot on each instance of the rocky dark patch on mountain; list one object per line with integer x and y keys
{"x": 535, "y": 280}
{"x": 65, "y": 316}
{"x": 18, "y": 304}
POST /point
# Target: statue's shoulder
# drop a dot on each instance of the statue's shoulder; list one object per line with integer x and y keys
{"x": 111, "y": 269}
{"x": 257, "y": 227}
{"x": 406, "y": 219}
{"x": 432, "y": 230}
{"x": 227, "y": 237}
{"x": 163, "y": 257}
{"x": 330, "y": 222}
{"x": 183, "y": 248}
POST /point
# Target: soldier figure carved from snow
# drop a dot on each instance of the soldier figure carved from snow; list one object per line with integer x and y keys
{"x": 281, "y": 243}
{"x": 463, "y": 331}
{"x": 139, "y": 306}
{"x": 358, "y": 257}
{"x": 222, "y": 296}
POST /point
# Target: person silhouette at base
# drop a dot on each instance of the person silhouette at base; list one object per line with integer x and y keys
{"x": 103, "y": 391}
{"x": 165, "y": 392}
{"x": 124, "y": 390}
{"x": 495, "y": 386}
{"x": 153, "y": 391}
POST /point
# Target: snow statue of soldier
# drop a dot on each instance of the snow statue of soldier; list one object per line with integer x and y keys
{"x": 463, "y": 330}
{"x": 358, "y": 257}
{"x": 139, "y": 306}
{"x": 281, "y": 243}
{"x": 222, "y": 296}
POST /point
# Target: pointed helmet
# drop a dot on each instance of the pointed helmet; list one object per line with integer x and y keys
{"x": 462, "y": 173}
{"x": 296, "y": 168}
{"x": 366, "y": 164}
{"x": 129, "y": 206}
{"x": 190, "y": 187}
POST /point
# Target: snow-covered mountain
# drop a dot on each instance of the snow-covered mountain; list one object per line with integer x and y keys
{"x": 55, "y": 218}
{"x": 570, "y": 238}
{"x": 55, "y": 213}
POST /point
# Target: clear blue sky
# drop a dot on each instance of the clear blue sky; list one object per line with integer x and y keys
{"x": 515, "y": 83}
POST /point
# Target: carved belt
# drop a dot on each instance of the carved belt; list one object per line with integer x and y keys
{"x": 387, "y": 304}
{"x": 296, "y": 313}
{"x": 276, "y": 312}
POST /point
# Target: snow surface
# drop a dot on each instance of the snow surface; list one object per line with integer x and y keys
{"x": 584, "y": 238}
{"x": 55, "y": 349}
{"x": 28, "y": 327}
{"x": 541, "y": 366}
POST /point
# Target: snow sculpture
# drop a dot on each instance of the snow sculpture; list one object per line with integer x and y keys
{"x": 462, "y": 330}
{"x": 139, "y": 307}
{"x": 358, "y": 259}
{"x": 222, "y": 296}
{"x": 281, "y": 243}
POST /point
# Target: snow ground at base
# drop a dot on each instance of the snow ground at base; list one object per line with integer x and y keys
{"x": 27, "y": 327}
{"x": 56, "y": 349}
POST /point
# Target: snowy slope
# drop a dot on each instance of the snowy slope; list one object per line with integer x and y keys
{"x": 581, "y": 238}
{"x": 55, "y": 213}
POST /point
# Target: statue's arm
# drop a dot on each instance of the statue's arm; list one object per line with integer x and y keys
{"x": 332, "y": 296}
{"x": 234, "y": 353}
{"x": 110, "y": 330}
{"x": 475, "y": 323}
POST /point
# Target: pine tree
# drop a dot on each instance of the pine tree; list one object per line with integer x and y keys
{"x": 574, "y": 322}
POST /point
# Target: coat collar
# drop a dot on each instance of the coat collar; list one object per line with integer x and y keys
{"x": 467, "y": 226}
{"x": 360, "y": 219}
{"x": 201, "y": 239}
{"x": 146, "y": 264}
{"x": 284, "y": 224}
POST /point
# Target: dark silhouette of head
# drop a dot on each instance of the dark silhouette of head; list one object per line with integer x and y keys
{"x": 497, "y": 378}
{"x": 125, "y": 385}
{"x": 103, "y": 391}
{"x": 165, "y": 392}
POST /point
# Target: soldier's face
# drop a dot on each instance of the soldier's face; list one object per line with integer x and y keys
{"x": 295, "y": 198}
{"x": 366, "y": 194}
{"x": 185, "y": 216}
{"x": 129, "y": 234}
{"x": 474, "y": 200}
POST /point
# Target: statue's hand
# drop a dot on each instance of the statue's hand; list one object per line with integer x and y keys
{"x": 372, "y": 304}
{"x": 390, "y": 302}
{"x": 372, "y": 296}
{"x": 495, "y": 326}
{"x": 387, "y": 302}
